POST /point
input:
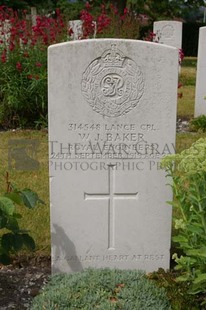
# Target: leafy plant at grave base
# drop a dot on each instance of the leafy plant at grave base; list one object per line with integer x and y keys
{"x": 176, "y": 291}
{"x": 14, "y": 238}
{"x": 109, "y": 23}
{"x": 198, "y": 124}
{"x": 23, "y": 65}
{"x": 102, "y": 289}
{"x": 188, "y": 171}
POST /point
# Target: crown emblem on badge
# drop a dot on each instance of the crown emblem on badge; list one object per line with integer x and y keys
{"x": 113, "y": 83}
{"x": 113, "y": 57}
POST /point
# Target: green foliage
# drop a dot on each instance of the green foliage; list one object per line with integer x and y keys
{"x": 198, "y": 124}
{"x": 23, "y": 4}
{"x": 127, "y": 27}
{"x": 188, "y": 171}
{"x": 23, "y": 66}
{"x": 189, "y": 62}
{"x": 176, "y": 291}
{"x": 23, "y": 93}
{"x": 102, "y": 289}
{"x": 71, "y": 10}
{"x": 14, "y": 239}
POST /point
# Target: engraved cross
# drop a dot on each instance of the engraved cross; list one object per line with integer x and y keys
{"x": 111, "y": 196}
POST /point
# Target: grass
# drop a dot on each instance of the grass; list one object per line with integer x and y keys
{"x": 185, "y": 140}
{"x": 37, "y": 221}
{"x": 185, "y": 107}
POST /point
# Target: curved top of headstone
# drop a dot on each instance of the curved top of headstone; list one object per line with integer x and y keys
{"x": 168, "y": 32}
{"x": 113, "y": 78}
{"x": 106, "y": 40}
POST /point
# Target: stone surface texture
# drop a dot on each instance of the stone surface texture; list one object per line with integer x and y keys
{"x": 168, "y": 32}
{"x": 200, "y": 92}
{"x": 76, "y": 26}
{"x": 112, "y": 117}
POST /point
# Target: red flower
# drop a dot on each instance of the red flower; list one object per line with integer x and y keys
{"x": 45, "y": 39}
{"x": 19, "y": 66}
{"x": 87, "y": 6}
{"x": 103, "y": 8}
{"x": 29, "y": 77}
{"x": 70, "y": 31}
{"x": 126, "y": 11}
{"x": 11, "y": 46}
{"x": 26, "y": 54}
{"x": 58, "y": 12}
{"x": 38, "y": 64}
{"x": 3, "y": 57}
{"x": 24, "y": 41}
{"x": 181, "y": 56}
{"x": 114, "y": 9}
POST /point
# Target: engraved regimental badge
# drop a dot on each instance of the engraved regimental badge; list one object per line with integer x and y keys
{"x": 167, "y": 31}
{"x": 113, "y": 83}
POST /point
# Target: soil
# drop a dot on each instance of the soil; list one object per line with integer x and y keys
{"x": 22, "y": 281}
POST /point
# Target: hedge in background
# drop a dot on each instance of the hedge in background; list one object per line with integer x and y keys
{"x": 102, "y": 289}
{"x": 190, "y": 37}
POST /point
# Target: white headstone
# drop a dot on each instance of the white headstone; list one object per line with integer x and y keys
{"x": 33, "y": 16}
{"x": 200, "y": 97}
{"x": 112, "y": 116}
{"x": 168, "y": 32}
{"x": 77, "y": 30}
{"x": 5, "y": 27}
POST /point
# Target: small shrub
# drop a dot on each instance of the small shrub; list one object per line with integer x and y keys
{"x": 23, "y": 65}
{"x": 109, "y": 22}
{"x": 198, "y": 124}
{"x": 188, "y": 171}
{"x": 14, "y": 238}
{"x": 102, "y": 289}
